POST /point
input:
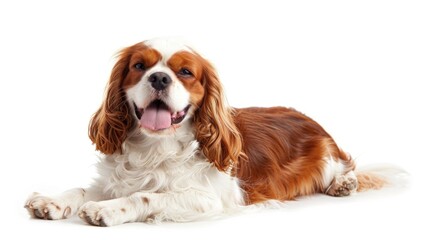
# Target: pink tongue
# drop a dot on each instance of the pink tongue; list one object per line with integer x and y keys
{"x": 156, "y": 118}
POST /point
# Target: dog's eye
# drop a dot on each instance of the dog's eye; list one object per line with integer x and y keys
{"x": 139, "y": 66}
{"x": 185, "y": 73}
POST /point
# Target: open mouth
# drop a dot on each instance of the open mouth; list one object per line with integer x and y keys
{"x": 158, "y": 116}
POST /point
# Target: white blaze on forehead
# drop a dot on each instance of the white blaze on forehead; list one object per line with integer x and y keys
{"x": 175, "y": 96}
{"x": 167, "y": 47}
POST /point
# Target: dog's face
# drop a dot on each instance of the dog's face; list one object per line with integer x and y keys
{"x": 164, "y": 85}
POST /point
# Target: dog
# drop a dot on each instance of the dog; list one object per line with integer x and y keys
{"x": 173, "y": 150}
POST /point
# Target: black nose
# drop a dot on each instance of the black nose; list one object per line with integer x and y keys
{"x": 159, "y": 80}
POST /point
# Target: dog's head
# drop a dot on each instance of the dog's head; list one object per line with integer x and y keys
{"x": 158, "y": 86}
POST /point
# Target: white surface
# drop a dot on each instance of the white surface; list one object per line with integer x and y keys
{"x": 359, "y": 68}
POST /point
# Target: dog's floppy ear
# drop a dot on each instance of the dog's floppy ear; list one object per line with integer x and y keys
{"x": 110, "y": 124}
{"x": 216, "y": 131}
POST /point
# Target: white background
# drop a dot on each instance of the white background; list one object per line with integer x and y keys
{"x": 360, "y": 68}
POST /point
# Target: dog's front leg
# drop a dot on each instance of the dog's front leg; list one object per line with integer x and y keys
{"x": 144, "y": 207}
{"x": 60, "y": 206}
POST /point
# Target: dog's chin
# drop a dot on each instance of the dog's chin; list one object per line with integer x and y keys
{"x": 166, "y": 132}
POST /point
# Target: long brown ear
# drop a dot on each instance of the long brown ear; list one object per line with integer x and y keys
{"x": 110, "y": 124}
{"x": 216, "y": 131}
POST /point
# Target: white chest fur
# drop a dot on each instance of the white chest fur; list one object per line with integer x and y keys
{"x": 161, "y": 165}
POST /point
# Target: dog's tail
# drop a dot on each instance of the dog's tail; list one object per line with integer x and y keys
{"x": 379, "y": 176}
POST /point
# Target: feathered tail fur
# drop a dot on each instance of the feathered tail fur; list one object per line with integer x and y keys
{"x": 379, "y": 176}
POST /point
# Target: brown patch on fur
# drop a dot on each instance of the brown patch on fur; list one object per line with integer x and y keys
{"x": 369, "y": 181}
{"x": 145, "y": 200}
{"x": 123, "y": 210}
{"x": 144, "y": 55}
{"x": 192, "y": 83}
{"x": 56, "y": 206}
{"x": 285, "y": 151}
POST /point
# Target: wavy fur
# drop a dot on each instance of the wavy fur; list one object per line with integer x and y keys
{"x": 109, "y": 126}
{"x": 219, "y": 137}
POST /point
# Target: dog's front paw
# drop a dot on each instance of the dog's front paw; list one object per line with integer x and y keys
{"x": 98, "y": 214}
{"x": 42, "y": 207}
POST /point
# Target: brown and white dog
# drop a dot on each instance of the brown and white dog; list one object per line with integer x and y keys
{"x": 174, "y": 150}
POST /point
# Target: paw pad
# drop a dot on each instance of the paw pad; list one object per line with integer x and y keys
{"x": 342, "y": 186}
